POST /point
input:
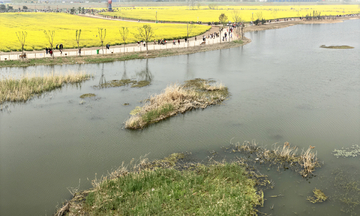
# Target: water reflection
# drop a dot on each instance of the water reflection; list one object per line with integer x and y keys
{"x": 189, "y": 72}
{"x": 145, "y": 74}
{"x": 102, "y": 80}
{"x": 124, "y": 76}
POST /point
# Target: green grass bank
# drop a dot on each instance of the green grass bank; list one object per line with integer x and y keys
{"x": 170, "y": 187}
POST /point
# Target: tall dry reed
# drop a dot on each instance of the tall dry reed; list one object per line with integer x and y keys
{"x": 21, "y": 89}
{"x": 175, "y": 99}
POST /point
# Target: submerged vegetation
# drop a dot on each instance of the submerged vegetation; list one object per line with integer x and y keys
{"x": 347, "y": 190}
{"x": 170, "y": 186}
{"x": 337, "y": 47}
{"x": 88, "y": 95}
{"x": 123, "y": 82}
{"x": 284, "y": 156}
{"x": 194, "y": 94}
{"x": 319, "y": 196}
{"x": 352, "y": 151}
{"x": 22, "y": 89}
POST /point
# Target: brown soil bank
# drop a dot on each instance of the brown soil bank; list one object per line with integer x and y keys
{"x": 121, "y": 56}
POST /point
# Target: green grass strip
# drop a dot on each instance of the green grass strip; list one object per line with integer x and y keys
{"x": 220, "y": 189}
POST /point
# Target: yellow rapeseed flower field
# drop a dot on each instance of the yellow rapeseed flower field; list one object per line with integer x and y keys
{"x": 65, "y": 26}
{"x": 248, "y": 13}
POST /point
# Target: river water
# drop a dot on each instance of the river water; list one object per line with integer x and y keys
{"x": 283, "y": 88}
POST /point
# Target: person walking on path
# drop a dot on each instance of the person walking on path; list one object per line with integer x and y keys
{"x": 179, "y": 41}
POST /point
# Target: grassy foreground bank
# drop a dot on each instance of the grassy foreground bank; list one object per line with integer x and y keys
{"x": 22, "y": 89}
{"x": 120, "y": 56}
{"x": 194, "y": 94}
{"x": 170, "y": 187}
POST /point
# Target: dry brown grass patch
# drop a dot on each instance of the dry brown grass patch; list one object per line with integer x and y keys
{"x": 21, "y": 89}
{"x": 175, "y": 99}
{"x": 286, "y": 156}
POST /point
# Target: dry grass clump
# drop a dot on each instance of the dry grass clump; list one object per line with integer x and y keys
{"x": 337, "y": 47}
{"x": 319, "y": 196}
{"x": 22, "y": 89}
{"x": 286, "y": 152}
{"x": 308, "y": 160}
{"x": 177, "y": 99}
{"x": 285, "y": 156}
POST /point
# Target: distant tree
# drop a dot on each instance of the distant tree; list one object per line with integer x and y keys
{"x": 213, "y": 6}
{"x": 191, "y": 4}
{"x": 79, "y": 9}
{"x": 259, "y": 15}
{"x": 102, "y": 35}
{"x": 145, "y": 33}
{"x": 77, "y": 37}
{"x": 2, "y": 8}
{"x": 189, "y": 29}
{"x": 25, "y": 8}
{"x": 274, "y": 13}
{"x": 124, "y": 33}
{"x": 236, "y": 16}
{"x": 316, "y": 15}
{"x": 50, "y": 35}
{"x": 220, "y": 30}
{"x": 83, "y": 10}
{"x": 242, "y": 30}
{"x": 223, "y": 18}
{"x": 21, "y": 35}
{"x": 72, "y": 10}
{"x": 198, "y": 6}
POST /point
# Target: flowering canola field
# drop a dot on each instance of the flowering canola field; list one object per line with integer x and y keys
{"x": 247, "y": 13}
{"x": 65, "y": 26}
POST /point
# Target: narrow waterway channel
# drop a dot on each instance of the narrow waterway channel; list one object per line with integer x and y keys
{"x": 283, "y": 87}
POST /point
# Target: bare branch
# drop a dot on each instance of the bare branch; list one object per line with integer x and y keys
{"x": 21, "y": 35}
{"x": 124, "y": 33}
{"x": 145, "y": 33}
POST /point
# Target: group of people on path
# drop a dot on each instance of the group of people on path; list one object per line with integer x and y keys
{"x": 50, "y": 50}
{"x": 213, "y": 35}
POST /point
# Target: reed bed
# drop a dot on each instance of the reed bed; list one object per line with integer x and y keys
{"x": 194, "y": 94}
{"x": 284, "y": 156}
{"x": 21, "y": 89}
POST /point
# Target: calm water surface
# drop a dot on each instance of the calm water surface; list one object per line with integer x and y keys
{"x": 283, "y": 88}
